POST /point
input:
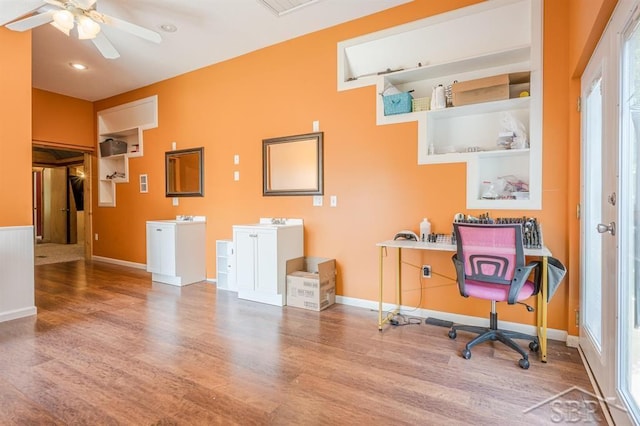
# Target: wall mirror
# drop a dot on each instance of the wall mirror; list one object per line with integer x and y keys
{"x": 293, "y": 165}
{"x": 184, "y": 172}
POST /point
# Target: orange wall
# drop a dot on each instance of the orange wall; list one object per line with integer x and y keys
{"x": 63, "y": 120}
{"x": 230, "y": 107}
{"x": 587, "y": 22}
{"x": 15, "y": 128}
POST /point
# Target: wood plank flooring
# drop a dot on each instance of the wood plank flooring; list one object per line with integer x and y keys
{"x": 109, "y": 347}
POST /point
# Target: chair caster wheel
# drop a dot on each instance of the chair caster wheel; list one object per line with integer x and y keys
{"x": 524, "y": 364}
{"x": 452, "y": 334}
{"x": 466, "y": 353}
{"x": 534, "y": 346}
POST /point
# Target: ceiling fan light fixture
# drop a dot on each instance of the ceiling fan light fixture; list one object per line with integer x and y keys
{"x": 87, "y": 28}
{"x": 59, "y": 28}
{"x": 63, "y": 19}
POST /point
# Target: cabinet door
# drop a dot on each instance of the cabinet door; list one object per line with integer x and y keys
{"x": 246, "y": 243}
{"x": 161, "y": 249}
{"x": 267, "y": 262}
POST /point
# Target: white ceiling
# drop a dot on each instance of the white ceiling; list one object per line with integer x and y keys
{"x": 209, "y": 31}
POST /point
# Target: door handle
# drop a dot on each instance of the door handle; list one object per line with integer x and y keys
{"x": 610, "y": 228}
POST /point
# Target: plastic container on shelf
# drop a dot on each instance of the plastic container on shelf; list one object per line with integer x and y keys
{"x": 425, "y": 229}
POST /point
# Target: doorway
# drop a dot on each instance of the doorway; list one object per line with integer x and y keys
{"x": 610, "y": 224}
{"x": 59, "y": 200}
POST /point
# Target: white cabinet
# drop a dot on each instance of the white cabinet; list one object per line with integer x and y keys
{"x": 225, "y": 260}
{"x": 176, "y": 251}
{"x": 124, "y": 123}
{"x": 261, "y": 254}
{"x": 482, "y": 40}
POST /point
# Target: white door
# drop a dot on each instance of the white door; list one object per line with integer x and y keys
{"x": 598, "y": 260}
{"x": 609, "y": 198}
{"x": 628, "y": 357}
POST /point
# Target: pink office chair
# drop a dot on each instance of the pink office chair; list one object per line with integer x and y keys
{"x": 490, "y": 265}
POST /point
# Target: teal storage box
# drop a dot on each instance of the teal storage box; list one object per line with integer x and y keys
{"x": 398, "y": 103}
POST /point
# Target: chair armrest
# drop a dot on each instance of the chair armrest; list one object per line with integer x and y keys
{"x": 459, "y": 274}
{"x": 520, "y": 277}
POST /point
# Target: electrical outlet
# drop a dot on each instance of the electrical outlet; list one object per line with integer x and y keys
{"x": 426, "y": 271}
{"x": 96, "y": 237}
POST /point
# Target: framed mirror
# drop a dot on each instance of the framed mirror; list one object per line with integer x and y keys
{"x": 293, "y": 165}
{"x": 184, "y": 173}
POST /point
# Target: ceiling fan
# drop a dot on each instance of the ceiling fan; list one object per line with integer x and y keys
{"x": 80, "y": 16}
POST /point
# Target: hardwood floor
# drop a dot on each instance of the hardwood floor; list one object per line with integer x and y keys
{"x": 110, "y": 347}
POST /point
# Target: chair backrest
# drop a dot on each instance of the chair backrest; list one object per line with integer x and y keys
{"x": 489, "y": 252}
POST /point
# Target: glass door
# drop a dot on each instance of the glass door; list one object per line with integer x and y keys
{"x": 629, "y": 249}
{"x": 598, "y": 253}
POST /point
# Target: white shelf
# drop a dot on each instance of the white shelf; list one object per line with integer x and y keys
{"x": 225, "y": 260}
{"x": 519, "y": 55}
{"x": 432, "y": 51}
{"x": 125, "y": 123}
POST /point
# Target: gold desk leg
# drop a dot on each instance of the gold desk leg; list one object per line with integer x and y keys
{"x": 380, "y": 288}
{"x": 399, "y": 280}
{"x": 391, "y": 314}
{"x": 542, "y": 334}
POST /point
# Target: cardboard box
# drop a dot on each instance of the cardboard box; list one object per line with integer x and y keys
{"x": 311, "y": 283}
{"x": 489, "y": 88}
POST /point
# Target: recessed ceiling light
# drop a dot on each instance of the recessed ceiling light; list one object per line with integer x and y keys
{"x": 78, "y": 66}
{"x": 169, "y": 28}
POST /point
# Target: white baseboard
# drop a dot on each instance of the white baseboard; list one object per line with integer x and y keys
{"x": 552, "y": 333}
{"x": 573, "y": 341}
{"x": 18, "y": 313}
{"x": 119, "y": 262}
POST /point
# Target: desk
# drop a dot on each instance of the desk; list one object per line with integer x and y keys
{"x": 543, "y": 253}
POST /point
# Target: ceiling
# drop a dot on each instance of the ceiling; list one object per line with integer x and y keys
{"x": 208, "y": 31}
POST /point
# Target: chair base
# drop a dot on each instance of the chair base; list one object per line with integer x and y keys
{"x": 493, "y": 333}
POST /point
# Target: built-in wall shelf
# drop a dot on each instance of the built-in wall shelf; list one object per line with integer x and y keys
{"x": 483, "y": 40}
{"x": 125, "y": 124}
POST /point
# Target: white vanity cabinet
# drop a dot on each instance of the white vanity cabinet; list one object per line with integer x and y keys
{"x": 176, "y": 251}
{"x": 261, "y": 254}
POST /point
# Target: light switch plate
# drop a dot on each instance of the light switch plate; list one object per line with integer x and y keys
{"x": 316, "y": 125}
{"x": 175, "y": 201}
{"x": 317, "y": 200}
{"x": 236, "y": 175}
{"x": 236, "y": 159}
{"x": 334, "y": 200}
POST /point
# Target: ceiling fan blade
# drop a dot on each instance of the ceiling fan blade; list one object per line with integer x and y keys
{"x": 105, "y": 47}
{"x": 12, "y": 10}
{"x": 31, "y": 22}
{"x": 55, "y": 3}
{"x": 85, "y": 4}
{"x": 134, "y": 29}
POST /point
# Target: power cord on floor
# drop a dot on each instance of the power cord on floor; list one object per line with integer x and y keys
{"x": 400, "y": 320}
